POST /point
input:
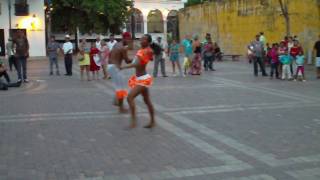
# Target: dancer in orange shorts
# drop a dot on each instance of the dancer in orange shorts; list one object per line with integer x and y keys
{"x": 141, "y": 81}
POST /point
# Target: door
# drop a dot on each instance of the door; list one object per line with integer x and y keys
{"x": 2, "y": 43}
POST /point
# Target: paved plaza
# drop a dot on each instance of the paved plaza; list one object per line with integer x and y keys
{"x": 223, "y": 125}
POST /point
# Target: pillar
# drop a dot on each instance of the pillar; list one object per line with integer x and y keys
{"x": 145, "y": 26}
{"x": 165, "y": 33}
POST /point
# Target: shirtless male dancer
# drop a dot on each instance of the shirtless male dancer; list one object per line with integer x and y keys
{"x": 117, "y": 55}
{"x": 141, "y": 81}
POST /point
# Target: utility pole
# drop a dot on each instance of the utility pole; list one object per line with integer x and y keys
{"x": 9, "y": 8}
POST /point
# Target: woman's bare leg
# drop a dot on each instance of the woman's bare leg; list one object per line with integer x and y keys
{"x": 87, "y": 72}
{"x": 81, "y": 72}
{"x": 179, "y": 68}
{"x": 97, "y": 73}
{"x": 93, "y": 75}
{"x": 132, "y": 95}
{"x": 105, "y": 73}
{"x": 147, "y": 100}
{"x": 173, "y": 68}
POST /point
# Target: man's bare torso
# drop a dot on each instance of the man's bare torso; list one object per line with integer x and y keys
{"x": 118, "y": 54}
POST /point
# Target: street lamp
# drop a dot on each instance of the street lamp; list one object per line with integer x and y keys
{"x": 9, "y": 8}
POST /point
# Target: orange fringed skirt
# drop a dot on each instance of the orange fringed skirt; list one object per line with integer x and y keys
{"x": 145, "y": 80}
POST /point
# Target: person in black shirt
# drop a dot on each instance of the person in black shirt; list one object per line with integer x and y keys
{"x": 317, "y": 50}
{"x": 3, "y": 72}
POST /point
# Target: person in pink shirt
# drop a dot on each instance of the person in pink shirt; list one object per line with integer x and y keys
{"x": 104, "y": 53}
{"x": 273, "y": 54}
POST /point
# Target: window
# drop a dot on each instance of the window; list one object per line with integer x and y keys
{"x": 138, "y": 21}
{"x": 21, "y": 8}
{"x": 24, "y": 2}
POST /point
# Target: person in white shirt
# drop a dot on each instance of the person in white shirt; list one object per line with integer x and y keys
{"x": 98, "y": 43}
{"x": 67, "y": 51}
{"x": 112, "y": 42}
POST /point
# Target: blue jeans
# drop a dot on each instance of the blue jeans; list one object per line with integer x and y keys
{"x": 22, "y": 67}
{"x": 208, "y": 62}
{"x": 54, "y": 60}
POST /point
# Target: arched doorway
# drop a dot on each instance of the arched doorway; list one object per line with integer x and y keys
{"x": 173, "y": 25}
{"x": 137, "y": 19}
{"x": 155, "y": 22}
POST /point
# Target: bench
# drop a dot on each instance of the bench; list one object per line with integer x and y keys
{"x": 234, "y": 57}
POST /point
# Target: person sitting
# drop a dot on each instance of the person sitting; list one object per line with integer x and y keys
{"x": 217, "y": 52}
{"x": 3, "y": 72}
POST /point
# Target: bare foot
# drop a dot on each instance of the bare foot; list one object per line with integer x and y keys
{"x": 105, "y": 77}
{"x": 116, "y": 103}
{"x": 133, "y": 124}
{"x": 123, "y": 111}
{"x": 150, "y": 126}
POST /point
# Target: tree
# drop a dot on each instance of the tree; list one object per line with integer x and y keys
{"x": 98, "y": 16}
{"x": 286, "y": 15}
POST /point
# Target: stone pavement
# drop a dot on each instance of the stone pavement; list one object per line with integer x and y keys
{"x": 223, "y": 125}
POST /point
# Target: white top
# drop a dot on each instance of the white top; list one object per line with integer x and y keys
{"x": 67, "y": 48}
{"x": 98, "y": 45}
{"x": 111, "y": 44}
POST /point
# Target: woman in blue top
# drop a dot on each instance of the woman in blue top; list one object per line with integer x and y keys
{"x": 174, "y": 49}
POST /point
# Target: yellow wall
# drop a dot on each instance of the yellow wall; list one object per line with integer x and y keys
{"x": 234, "y": 23}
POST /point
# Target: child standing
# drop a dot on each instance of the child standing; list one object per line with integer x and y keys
{"x": 286, "y": 60}
{"x": 300, "y": 66}
{"x": 94, "y": 68}
{"x": 273, "y": 54}
{"x": 174, "y": 57}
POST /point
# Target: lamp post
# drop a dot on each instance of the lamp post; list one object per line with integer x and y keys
{"x": 9, "y": 8}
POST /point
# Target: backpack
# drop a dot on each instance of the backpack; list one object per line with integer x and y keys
{"x": 157, "y": 50}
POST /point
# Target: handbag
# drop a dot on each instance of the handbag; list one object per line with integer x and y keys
{"x": 97, "y": 59}
{"x": 186, "y": 62}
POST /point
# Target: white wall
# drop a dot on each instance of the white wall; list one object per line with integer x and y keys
{"x": 36, "y": 37}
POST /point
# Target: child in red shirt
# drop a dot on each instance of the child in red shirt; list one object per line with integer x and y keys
{"x": 94, "y": 61}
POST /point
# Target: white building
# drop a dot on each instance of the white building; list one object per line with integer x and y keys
{"x": 29, "y": 16}
{"x": 156, "y": 17}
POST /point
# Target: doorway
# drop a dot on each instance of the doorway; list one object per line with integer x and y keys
{"x": 2, "y": 43}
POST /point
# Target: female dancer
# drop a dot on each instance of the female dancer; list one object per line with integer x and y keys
{"x": 141, "y": 81}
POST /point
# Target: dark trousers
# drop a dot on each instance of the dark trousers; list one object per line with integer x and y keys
{"x": 12, "y": 62}
{"x": 21, "y": 67}
{"x": 274, "y": 69}
{"x": 159, "y": 59}
{"x": 68, "y": 63}
{"x": 258, "y": 60}
{"x": 208, "y": 62}
{"x": 6, "y": 76}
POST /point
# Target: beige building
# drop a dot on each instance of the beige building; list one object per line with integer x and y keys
{"x": 28, "y": 16}
{"x": 156, "y": 17}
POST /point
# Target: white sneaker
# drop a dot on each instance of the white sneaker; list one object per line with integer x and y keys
{"x": 304, "y": 80}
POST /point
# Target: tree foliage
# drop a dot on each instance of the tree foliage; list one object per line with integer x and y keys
{"x": 99, "y": 16}
{"x": 195, "y": 2}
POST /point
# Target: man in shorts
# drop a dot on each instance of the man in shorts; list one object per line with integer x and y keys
{"x": 117, "y": 55}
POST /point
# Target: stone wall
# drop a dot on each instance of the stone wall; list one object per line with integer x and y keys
{"x": 234, "y": 23}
